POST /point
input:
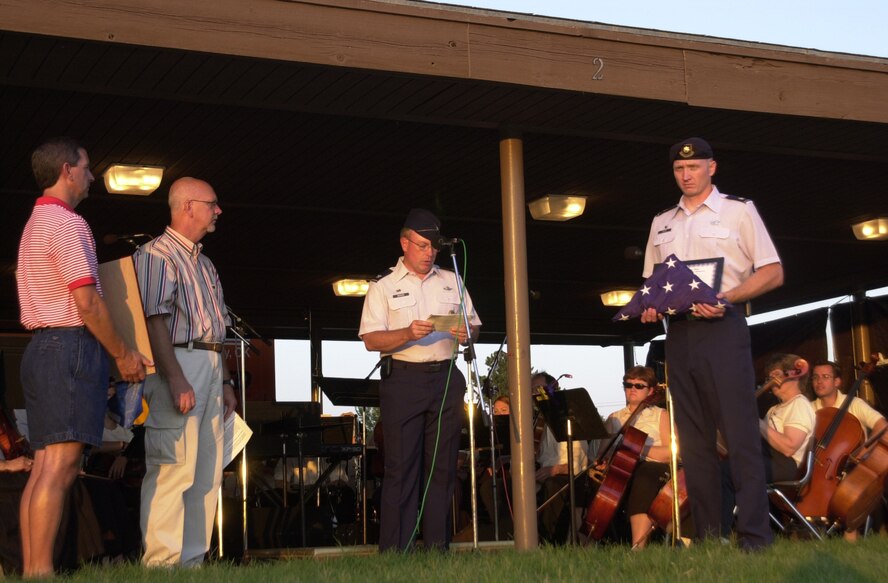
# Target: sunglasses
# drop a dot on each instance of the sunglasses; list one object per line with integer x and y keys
{"x": 638, "y": 386}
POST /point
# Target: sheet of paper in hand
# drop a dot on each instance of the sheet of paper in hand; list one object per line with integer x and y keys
{"x": 444, "y": 322}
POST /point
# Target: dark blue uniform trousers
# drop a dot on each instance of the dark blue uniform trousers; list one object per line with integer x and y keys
{"x": 711, "y": 377}
{"x": 410, "y": 400}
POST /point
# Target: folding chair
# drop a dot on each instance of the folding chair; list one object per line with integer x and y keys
{"x": 779, "y": 498}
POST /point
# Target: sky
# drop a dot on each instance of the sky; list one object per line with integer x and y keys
{"x": 849, "y": 26}
{"x": 852, "y": 26}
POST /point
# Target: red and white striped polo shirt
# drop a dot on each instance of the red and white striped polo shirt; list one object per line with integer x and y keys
{"x": 57, "y": 254}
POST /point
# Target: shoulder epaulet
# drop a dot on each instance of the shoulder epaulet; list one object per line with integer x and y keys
{"x": 737, "y": 198}
{"x": 381, "y": 275}
{"x": 672, "y": 208}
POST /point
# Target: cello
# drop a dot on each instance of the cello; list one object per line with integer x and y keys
{"x": 625, "y": 449}
{"x": 661, "y": 509}
{"x": 860, "y": 492}
{"x": 837, "y": 434}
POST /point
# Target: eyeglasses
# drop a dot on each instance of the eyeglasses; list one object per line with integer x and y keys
{"x": 421, "y": 246}
{"x": 638, "y": 386}
{"x": 822, "y": 377}
{"x": 214, "y": 204}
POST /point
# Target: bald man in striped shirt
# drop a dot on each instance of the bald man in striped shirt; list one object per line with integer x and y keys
{"x": 65, "y": 366}
{"x": 193, "y": 392}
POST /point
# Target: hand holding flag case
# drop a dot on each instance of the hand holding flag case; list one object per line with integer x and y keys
{"x": 671, "y": 290}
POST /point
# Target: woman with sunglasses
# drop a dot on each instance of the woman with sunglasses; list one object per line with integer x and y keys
{"x": 639, "y": 383}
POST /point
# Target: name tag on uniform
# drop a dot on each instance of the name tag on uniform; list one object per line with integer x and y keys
{"x": 401, "y": 300}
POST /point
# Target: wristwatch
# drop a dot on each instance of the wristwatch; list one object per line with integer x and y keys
{"x": 231, "y": 382}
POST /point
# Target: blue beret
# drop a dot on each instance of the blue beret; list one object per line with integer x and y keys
{"x": 691, "y": 149}
{"x": 425, "y": 224}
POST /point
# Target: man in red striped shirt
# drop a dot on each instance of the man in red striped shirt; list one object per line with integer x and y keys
{"x": 64, "y": 368}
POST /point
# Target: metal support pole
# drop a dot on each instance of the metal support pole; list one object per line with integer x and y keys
{"x": 316, "y": 355}
{"x": 518, "y": 330}
{"x": 240, "y": 346}
{"x": 860, "y": 342}
{"x": 628, "y": 355}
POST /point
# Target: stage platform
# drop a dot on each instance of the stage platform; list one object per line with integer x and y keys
{"x": 357, "y": 551}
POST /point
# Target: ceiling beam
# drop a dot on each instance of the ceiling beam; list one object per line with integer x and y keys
{"x": 421, "y": 39}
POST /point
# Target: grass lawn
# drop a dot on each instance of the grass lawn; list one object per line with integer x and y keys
{"x": 803, "y": 561}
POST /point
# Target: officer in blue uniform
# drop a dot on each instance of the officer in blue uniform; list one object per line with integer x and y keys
{"x": 708, "y": 353}
{"x": 421, "y": 392}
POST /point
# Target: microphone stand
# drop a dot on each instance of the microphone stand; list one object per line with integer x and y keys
{"x": 486, "y": 392}
{"x": 240, "y": 329}
{"x": 673, "y": 457}
{"x": 131, "y": 239}
{"x": 362, "y": 481}
{"x": 470, "y": 386}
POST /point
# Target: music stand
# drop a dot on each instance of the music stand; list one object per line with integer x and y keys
{"x": 278, "y": 424}
{"x": 500, "y": 432}
{"x": 354, "y": 393}
{"x": 570, "y": 415}
{"x": 350, "y": 392}
{"x": 501, "y": 428}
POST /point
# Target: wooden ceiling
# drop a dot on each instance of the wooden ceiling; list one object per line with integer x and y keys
{"x": 316, "y": 166}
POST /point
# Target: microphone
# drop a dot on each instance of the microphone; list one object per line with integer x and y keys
{"x": 111, "y": 238}
{"x": 633, "y": 252}
{"x": 447, "y": 241}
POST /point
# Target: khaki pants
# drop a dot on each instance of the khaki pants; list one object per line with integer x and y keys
{"x": 183, "y": 457}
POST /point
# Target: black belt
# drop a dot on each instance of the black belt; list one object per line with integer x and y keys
{"x": 687, "y": 316}
{"x": 196, "y": 344}
{"x": 434, "y": 366}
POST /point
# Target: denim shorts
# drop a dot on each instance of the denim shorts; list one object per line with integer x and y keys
{"x": 65, "y": 380}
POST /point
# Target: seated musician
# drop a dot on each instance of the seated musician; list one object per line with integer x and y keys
{"x": 113, "y": 478}
{"x": 502, "y": 405}
{"x": 788, "y": 427}
{"x": 502, "y": 511}
{"x": 12, "y": 481}
{"x": 78, "y": 536}
{"x": 826, "y": 379}
{"x": 552, "y": 473}
{"x": 653, "y": 466}
{"x": 786, "y": 430}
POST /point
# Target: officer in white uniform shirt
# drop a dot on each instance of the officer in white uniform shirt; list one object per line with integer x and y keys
{"x": 708, "y": 353}
{"x": 421, "y": 392}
